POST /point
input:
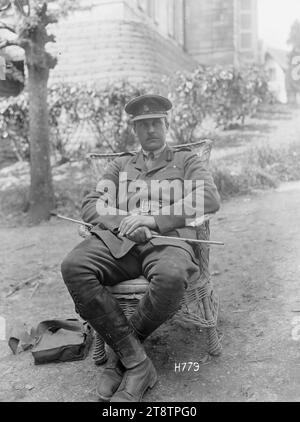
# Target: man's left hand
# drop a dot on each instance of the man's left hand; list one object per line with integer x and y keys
{"x": 140, "y": 235}
{"x": 133, "y": 222}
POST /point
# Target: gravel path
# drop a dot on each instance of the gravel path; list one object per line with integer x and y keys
{"x": 256, "y": 275}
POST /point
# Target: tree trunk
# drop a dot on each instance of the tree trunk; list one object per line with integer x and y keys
{"x": 41, "y": 199}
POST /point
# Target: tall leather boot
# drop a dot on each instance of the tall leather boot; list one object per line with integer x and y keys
{"x": 146, "y": 318}
{"x": 113, "y": 373}
{"x": 111, "y": 377}
{"x": 118, "y": 334}
{"x": 130, "y": 372}
{"x": 140, "y": 373}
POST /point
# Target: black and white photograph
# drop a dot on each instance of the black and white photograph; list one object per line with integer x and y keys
{"x": 149, "y": 203}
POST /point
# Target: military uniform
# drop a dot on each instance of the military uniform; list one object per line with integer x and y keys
{"x": 106, "y": 259}
{"x": 172, "y": 165}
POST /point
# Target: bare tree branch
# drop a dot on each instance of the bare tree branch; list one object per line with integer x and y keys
{"x": 51, "y": 60}
{"x": 24, "y": 43}
{"x": 50, "y": 38}
{"x": 8, "y": 43}
{"x": 50, "y": 18}
{"x": 43, "y": 10}
{"x": 8, "y": 27}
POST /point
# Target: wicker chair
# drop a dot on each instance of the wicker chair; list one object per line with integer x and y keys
{"x": 200, "y": 304}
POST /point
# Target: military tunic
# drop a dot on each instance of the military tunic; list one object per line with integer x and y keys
{"x": 174, "y": 166}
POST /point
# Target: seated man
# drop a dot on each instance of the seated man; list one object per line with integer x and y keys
{"x": 140, "y": 194}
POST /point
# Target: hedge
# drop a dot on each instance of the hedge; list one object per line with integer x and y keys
{"x": 85, "y": 118}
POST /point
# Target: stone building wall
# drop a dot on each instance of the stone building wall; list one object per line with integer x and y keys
{"x": 94, "y": 46}
{"x": 222, "y": 31}
{"x": 210, "y": 31}
{"x": 146, "y": 39}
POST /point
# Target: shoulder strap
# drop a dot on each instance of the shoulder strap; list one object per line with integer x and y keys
{"x": 182, "y": 148}
{"x": 127, "y": 153}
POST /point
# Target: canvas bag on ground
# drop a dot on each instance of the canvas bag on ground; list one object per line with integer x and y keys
{"x": 61, "y": 341}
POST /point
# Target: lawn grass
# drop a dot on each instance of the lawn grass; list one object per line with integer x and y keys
{"x": 261, "y": 168}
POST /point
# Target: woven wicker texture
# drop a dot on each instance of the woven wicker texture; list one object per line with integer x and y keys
{"x": 99, "y": 161}
{"x": 200, "y": 305}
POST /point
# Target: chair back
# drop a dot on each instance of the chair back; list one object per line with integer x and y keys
{"x": 99, "y": 161}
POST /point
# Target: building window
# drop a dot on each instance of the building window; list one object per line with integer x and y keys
{"x": 246, "y": 21}
{"x": 156, "y": 15}
{"x": 2, "y": 68}
{"x": 143, "y": 4}
{"x": 272, "y": 74}
{"x": 179, "y": 23}
{"x": 171, "y": 17}
{"x": 150, "y": 8}
{"x": 246, "y": 41}
{"x": 246, "y": 5}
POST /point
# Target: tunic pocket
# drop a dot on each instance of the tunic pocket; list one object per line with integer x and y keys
{"x": 170, "y": 174}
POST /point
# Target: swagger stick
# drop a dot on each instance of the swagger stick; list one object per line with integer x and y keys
{"x": 54, "y": 214}
{"x": 208, "y": 242}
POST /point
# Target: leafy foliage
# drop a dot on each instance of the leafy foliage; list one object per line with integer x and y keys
{"x": 226, "y": 94}
{"x": 292, "y": 78}
{"x": 85, "y": 118}
{"x": 294, "y": 37}
{"x": 14, "y": 124}
{"x": 81, "y": 119}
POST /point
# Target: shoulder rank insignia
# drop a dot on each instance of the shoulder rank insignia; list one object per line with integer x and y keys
{"x": 127, "y": 154}
{"x": 182, "y": 148}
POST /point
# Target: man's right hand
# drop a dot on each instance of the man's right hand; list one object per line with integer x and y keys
{"x": 140, "y": 235}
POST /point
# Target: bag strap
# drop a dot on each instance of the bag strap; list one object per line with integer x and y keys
{"x": 55, "y": 324}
